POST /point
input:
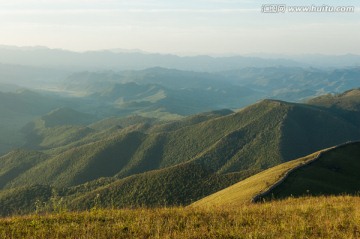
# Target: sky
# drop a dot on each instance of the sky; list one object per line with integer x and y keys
{"x": 186, "y": 27}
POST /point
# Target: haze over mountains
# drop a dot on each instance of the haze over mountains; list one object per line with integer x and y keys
{"x": 132, "y": 129}
{"x": 125, "y": 60}
{"x": 157, "y": 92}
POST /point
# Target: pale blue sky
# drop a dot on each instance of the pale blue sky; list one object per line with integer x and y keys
{"x": 186, "y": 27}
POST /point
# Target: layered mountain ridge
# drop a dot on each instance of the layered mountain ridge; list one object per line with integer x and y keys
{"x": 157, "y": 163}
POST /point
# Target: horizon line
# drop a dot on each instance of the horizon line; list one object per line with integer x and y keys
{"x": 179, "y": 54}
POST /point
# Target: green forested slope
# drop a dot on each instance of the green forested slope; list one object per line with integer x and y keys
{"x": 154, "y": 163}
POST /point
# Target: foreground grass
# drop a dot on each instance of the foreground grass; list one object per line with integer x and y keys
{"x": 321, "y": 217}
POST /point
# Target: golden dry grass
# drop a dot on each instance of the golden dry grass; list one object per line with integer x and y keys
{"x": 321, "y": 217}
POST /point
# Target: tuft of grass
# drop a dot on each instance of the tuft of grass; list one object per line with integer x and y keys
{"x": 320, "y": 217}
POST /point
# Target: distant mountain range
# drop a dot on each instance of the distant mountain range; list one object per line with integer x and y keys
{"x": 184, "y": 93}
{"x": 121, "y": 60}
{"x": 166, "y": 94}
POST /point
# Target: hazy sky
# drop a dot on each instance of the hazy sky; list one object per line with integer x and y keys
{"x": 186, "y": 26}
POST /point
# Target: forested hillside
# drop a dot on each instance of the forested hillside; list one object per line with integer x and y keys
{"x": 142, "y": 161}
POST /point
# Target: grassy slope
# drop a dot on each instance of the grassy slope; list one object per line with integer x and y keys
{"x": 331, "y": 171}
{"x": 323, "y": 217}
{"x": 336, "y": 172}
{"x": 244, "y": 191}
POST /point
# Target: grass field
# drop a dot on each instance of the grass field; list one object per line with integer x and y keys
{"x": 317, "y": 217}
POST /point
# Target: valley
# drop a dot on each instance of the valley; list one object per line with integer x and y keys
{"x": 183, "y": 145}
